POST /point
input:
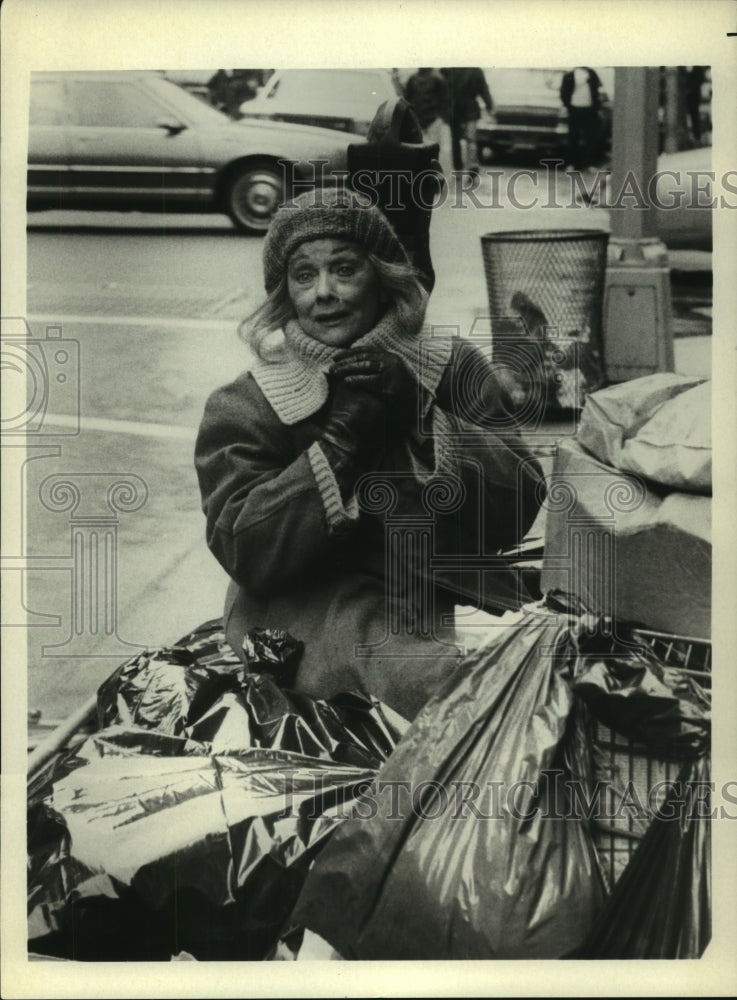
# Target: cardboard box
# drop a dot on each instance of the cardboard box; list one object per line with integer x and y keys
{"x": 624, "y": 550}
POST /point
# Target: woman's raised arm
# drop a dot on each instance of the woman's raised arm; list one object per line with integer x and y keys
{"x": 274, "y": 511}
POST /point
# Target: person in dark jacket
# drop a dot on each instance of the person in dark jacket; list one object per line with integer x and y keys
{"x": 350, "y": 487}
{"x": 466, "y": 87}
{"x": 695, "y": 79}
{"x": 579, "y": 93}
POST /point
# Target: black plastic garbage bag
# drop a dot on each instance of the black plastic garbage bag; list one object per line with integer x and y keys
{"x": 200, "y": 690}
{"x": 458, "y": 852}
{"x": 350, "y": 728}
{"x": 187, "y": 821}
{"x": 168, "y": 687}
{"x": 633, "y": 694}
{"x": 661, "y": 906}
{"x": 137, "y": 857}
{"x": 274, "y": 651}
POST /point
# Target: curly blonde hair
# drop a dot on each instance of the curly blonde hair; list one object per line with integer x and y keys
{"x": 399, "y": 283}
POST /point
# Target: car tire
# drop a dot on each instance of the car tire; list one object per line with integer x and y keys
{"x": 254, "y": 192}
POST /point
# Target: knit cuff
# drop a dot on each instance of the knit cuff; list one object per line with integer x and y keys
{"x": 338, "y": 514}
{"x": 445, "y": 433}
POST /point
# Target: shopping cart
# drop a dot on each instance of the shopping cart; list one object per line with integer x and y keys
{"x": 622, "y": 763}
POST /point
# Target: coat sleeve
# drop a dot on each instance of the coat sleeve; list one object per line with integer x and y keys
{"x": 566, "y": 89}
{"x": 486, "y": 443}
{"x": 443, "y": 95}
{"x": 273, "y": 513}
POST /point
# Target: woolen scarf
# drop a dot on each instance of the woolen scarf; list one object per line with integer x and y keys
{"x": 296, "y": 384}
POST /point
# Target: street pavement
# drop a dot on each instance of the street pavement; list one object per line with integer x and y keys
{"x": 154, "y": 305}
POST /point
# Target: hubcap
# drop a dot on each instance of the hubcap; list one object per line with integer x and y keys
{"x": 256, "y": 197}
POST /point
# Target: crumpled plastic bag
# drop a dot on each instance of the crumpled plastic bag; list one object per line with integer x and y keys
{"x": 138, "y": 857}
{"x": 459, "y": 851}
{"x": 629, "y": 691}
{"x": 274, "y": 651}
{"x": 350, "y": 728}
{"x": 188, "y": 820}
{"x": 165, "y": 688}
{"x": 674, "y": 447}
{"x": 615, "y": 414}
{"x": 199, "y": 689}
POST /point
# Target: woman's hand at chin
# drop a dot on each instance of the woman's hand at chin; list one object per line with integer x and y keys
{"x": 383, "y": 374}
{"x": 357, "y": 422}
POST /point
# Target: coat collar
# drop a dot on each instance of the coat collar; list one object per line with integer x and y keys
{"x": 296, "y": 384}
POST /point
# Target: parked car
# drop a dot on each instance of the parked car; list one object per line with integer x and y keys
{"x": 685, "y": 185}
{"x": 341, "y": 99}
{"x": 137, "y": 141}
{"x": 529, "y": 117}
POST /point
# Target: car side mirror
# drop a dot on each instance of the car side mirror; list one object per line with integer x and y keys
{"x": 172, "y": 126}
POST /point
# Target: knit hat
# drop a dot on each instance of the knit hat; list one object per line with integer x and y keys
{"x": 326, "y": 213}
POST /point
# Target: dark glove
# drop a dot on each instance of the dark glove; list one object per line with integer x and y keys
{"x": 383, "y": 375}
{"x": 355, "y": 429}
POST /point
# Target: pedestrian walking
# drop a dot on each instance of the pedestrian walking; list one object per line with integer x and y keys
{"x": 466, "y": 87}
{"x": 427, "y": 92}
{"x": 579, "y": 92}
{"x": 347, "y": 423}
{"x": 218, "y": 88}
{"x": 695, "y": 79}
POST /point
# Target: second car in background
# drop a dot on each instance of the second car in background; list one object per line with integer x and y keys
{"x": 342, "y": 99}
{"x": 529, "y": 118}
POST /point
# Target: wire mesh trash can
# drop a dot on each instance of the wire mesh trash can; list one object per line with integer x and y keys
{"x": 546, "y": 292}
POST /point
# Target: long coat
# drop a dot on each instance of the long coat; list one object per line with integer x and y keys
{"x": 467, "y": 85}
{"x": 369, "y": 584}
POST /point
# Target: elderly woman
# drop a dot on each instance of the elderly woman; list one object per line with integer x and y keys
{"x": 345, "y": 477}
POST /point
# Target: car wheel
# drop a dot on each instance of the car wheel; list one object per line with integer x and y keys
{"x": 253, "y": 195}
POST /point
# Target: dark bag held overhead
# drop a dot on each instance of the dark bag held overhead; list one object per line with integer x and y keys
{"x": 404, "y": 173}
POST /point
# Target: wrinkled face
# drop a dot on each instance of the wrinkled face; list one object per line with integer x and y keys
{"x": 335, "y": 291}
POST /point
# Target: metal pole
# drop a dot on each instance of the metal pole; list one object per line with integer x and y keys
{"x": 670, "y": 110}
{"x": 56, "y": 740}
{"x": 634, "y": 145}
{"x": 637, "y": 324}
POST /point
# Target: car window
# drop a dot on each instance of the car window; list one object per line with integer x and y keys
{"x": 184, "y": 105}
{"x": 525, "y": 87}
{"x": 48, "y": 103}
{"x": 317, "y": 86}
{"x": 109, "y": 104}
